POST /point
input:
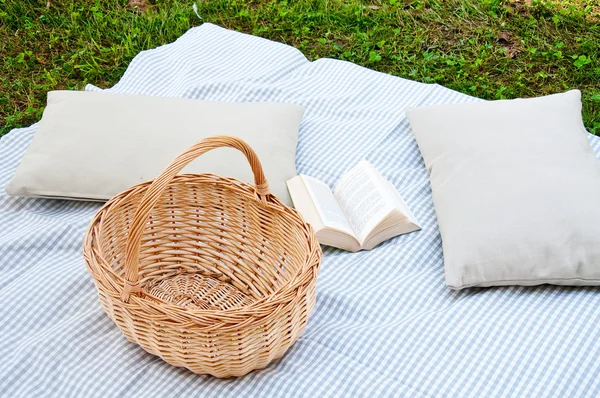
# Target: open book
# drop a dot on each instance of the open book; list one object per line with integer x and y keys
{"x": 363, "y": 210}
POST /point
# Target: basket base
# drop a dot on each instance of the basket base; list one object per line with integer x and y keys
{"x": 199, "y": 291}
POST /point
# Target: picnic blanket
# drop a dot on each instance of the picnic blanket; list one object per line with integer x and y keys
{"x": 384, "y": 325}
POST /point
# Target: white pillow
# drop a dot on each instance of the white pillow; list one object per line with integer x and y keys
{"x": 94, "y": 145}
{"x": 516, "y": 189}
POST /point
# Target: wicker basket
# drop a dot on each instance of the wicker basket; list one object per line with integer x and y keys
{"x": 209, "y": 273}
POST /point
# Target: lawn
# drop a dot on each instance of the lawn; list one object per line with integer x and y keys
{"x": 491, "y": 49}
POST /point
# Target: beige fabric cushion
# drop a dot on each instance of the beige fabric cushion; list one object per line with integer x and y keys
{"x": 93, "y": 145}
{"x": 516, "y": 188}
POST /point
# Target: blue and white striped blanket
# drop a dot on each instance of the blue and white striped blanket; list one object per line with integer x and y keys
{"x": 385, "y": 324}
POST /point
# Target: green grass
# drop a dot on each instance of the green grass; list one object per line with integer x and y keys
{"x": 491, "y": 49}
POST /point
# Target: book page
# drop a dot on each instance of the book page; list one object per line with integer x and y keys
{"x": 401, "y": 205}
{"x": 327, "y": 206}
{"x": 363, "y": 199}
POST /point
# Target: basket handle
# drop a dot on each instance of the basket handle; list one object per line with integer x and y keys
{"x": 160, "y": 184}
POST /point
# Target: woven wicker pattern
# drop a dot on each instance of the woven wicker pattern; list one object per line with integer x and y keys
{"x": 207, "y": 272}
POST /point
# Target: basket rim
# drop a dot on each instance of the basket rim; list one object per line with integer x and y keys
{"x": 265, "y": 306}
